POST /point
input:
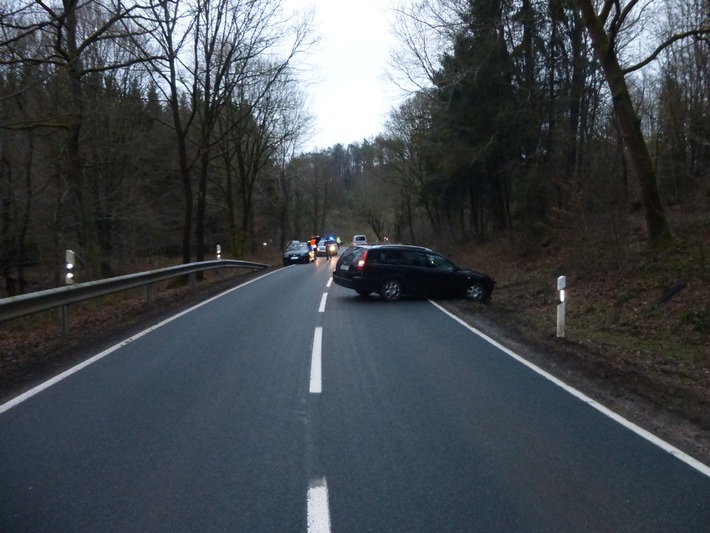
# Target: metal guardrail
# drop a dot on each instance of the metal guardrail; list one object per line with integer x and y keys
{"x": 62, "y": 297}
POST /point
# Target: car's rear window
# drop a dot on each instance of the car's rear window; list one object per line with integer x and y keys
{"x": 351, "y": 255}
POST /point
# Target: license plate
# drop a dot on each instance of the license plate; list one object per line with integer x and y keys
{"x": 344, "y": 267}
{"x": 294, "y": 257}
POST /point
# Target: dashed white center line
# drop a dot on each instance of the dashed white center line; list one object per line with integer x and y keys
{"x": 316, "y": 380}
{"x": 318, "y": 510}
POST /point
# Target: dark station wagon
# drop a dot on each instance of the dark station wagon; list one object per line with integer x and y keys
{"x": 394, "y": 269}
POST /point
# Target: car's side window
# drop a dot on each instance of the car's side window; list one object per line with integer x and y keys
{"x": 386, "y": 257}
{"x": 413, "y": 258}
{"x": 375, "y": 256}
{"x": 440, "y": 263}
{"x": 421, "y": 260}
{"x": 396, "y": 258}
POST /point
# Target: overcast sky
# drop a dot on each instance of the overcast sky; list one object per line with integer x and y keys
{"x": 350, "y": 97}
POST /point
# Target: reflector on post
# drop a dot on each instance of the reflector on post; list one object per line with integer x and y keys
{"x": 561, "y": 284}
{"x": 69, "y": 263}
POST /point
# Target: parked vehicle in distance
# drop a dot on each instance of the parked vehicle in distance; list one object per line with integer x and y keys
{"x": 394, "y": 269}
{"x": 359, "y": 240}
{"x": 327, "y": 248}
{"x": 298, "y": 252}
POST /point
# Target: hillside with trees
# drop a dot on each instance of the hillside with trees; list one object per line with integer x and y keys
{"x": 139, "y": 129}
{"x": 163, "y": 128}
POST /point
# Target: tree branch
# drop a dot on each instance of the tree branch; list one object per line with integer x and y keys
{"x": 693, "y": 33}
{"x": 604, "y": 14}
{"x": 625, "y": 12}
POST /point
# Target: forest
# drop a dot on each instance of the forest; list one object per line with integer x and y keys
{"x": 140, "y": 131}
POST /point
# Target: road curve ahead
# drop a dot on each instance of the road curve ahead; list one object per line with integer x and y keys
{"x": 290, "y": 404}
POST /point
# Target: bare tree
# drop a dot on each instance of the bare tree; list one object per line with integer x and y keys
{"x": 409, "y": 146}
{"x": 291, "y": 127}
{"x": 682, "y": 135}
{"x": 170, "y": 24}
{"x": 250, "y": 47}
{"x": 16, "y": 196}
{"x": 425, "y": 29}
{"x": 67, "y": 36}
{"x": 605, "y": 28}
{"x": 250, "y": 140}
{"x": 208, "y": 53}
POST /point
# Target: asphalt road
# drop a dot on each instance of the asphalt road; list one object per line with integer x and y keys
{"x": 288, "y": 404}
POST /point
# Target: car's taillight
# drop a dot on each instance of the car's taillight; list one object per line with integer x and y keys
{"x": 361, "y": 261}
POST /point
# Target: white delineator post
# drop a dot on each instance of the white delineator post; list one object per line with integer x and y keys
{"x": 561, "y": 284}
{"x": 69, "y": 262}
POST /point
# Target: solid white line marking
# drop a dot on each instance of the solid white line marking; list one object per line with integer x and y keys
{"x": 321, "y": 308}
{"x": 56, "y": 379}
{"x": 700, "y": 467}
{"x": 316, "y": 376}
{"x": 318, "y": 510}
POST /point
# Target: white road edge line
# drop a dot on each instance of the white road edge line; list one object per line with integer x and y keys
{"x": 316, "y": 386}
{"x": 73, "y": 370}
{"x": 318, "y": 509}
{"x": 321, "y": 308}
{"x": 691, "y": 461}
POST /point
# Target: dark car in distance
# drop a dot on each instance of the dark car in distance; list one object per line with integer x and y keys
{"x": 393, "y": 269}
{"x": 298, "y": 252}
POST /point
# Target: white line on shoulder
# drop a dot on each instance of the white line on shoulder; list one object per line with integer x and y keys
{"x": 73, "y": 370}
{"x": 697, "y": 465}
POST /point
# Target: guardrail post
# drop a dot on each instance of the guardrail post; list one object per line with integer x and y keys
{"x": 148, "y": 294}
{"x": 64, "y": 315}
{"x": 561, "y": 284}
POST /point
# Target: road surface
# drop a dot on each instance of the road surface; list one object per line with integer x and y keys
{"x": 290, "y": 404}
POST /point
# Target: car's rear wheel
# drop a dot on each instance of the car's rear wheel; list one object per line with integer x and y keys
{"x": 475, "y": 292}
{"x": 391, "y": 290}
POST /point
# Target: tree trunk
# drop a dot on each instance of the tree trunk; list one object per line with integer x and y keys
{"x": 579, "y": 70}
{"x": 201, "y": 211}
{"x": 186, "y": 187}
{"x": 73, "y": 166}
{"x": 657, "y": 228}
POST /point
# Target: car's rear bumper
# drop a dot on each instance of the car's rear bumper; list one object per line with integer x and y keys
{"x": 355, "y": 283}
{"x": 291, "y": 261}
